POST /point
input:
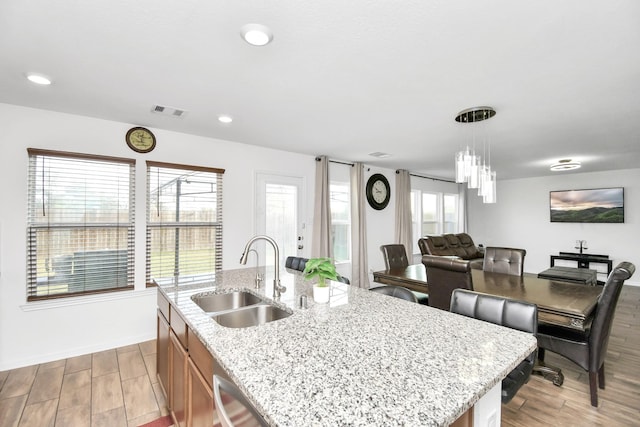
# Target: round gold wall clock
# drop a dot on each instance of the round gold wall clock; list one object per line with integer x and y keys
{"x": 141, "y": 140}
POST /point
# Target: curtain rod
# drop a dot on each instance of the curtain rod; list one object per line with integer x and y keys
{"x": 337, "y": 161}
{"x": 429, "y": 177}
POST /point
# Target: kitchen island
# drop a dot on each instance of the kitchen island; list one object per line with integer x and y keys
{"x": 363, "y": 359}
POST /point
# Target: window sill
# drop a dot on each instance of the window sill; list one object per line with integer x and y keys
{"x": 88, "y": 299}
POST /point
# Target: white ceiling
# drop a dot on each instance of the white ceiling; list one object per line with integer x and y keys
{"x": 347, "y": 78}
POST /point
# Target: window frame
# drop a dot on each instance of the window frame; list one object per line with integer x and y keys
{"x": 417, "y": 214}
{"x": 217, "y": 225}
{"x": 91, "y": 260}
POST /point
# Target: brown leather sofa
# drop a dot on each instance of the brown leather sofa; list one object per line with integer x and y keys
{"x": 460, "y": 245}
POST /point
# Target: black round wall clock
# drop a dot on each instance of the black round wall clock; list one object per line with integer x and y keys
{"x": 378, "y": 191}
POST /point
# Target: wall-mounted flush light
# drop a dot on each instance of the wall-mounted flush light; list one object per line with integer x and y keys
{"x": 256, "y": 34}
{"x": 565, "y": 165}
{"x": 223, "y": 118}
{"x": 38, "y": 79}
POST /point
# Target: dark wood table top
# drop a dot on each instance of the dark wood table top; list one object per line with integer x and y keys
{"x": 560, "y": 303}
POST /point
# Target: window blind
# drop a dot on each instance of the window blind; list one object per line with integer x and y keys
{"x": 80, "y": 236}
{"x": 184, "y": 223}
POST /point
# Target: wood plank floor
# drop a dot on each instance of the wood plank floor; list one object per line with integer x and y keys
{"x": 112, "y": 388}
{"x": 118, "y": 387}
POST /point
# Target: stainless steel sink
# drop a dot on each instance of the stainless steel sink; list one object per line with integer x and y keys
{"x": 251, "y": 316}
{"x": 227, "y": 301}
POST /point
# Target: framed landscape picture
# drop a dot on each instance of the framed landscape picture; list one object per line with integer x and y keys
{"x": 599, "y": 205}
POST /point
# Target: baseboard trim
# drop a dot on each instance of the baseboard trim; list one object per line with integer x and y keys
{"x": 78, "y": 351}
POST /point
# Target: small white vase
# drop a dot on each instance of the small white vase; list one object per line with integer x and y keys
{"x": 321, "y": 293}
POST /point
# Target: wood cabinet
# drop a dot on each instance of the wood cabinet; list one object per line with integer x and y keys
{"x": 178, "y": 380}
{"x": 185, "y": 370}
{"x": 162, "y": 355}
{"x": 200, "y": 398}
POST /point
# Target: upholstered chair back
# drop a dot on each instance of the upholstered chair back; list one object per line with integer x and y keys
{"x": 443, "y": 276}
{"x": 396, "y": 291}
{"x": 605, "y": 310}
{"x": 395, "y": 256}
{"x": 588, "y": 350}
{"x": 504, "y": 260}
{"x": 296, "y": 263}
{"x": 501, "y": 311}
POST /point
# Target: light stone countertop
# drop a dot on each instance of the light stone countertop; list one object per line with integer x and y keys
{"x": 364, "y": 359}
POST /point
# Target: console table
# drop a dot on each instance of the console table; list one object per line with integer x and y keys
{"x": 584, "y": 261}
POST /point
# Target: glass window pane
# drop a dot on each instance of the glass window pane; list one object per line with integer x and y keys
{"x": 184, "y": 223}
{"x": 80, "y": 224}
{"x": 450, "y": 213}
{"x": 281, "y": 212}
{"x": 340, "y": 221}
{"x": 430, "y": 215}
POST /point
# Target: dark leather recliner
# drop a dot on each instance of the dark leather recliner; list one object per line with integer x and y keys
{"x": 504, "y": 260}
{"x": 443, "y": 276}
{"x": 460, "y": 245}
{"x": 396, "y": 291}
{"x": 501, "y": 311}
{"x": 588, "y": 349}
{"x": 395, "y": 256}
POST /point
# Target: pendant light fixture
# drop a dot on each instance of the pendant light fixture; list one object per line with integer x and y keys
{"x": 471, "y": 168}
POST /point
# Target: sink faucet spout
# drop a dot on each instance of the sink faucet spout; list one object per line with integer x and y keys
{"x": 277, "y": 288}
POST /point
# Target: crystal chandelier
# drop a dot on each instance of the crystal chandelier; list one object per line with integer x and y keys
{"x": 470, "y": 167}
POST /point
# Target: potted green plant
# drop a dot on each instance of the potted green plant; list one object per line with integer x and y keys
{"x": 323, "y": 269}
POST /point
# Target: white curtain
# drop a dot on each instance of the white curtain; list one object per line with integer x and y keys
{"x": 321, "y": 241}
{"x": 359, "y": 266}
{"x": 404, "y": 227}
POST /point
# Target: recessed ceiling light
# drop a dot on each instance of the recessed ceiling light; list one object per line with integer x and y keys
{"x": 565, "y": 165}
{"x": 256, "y": 34}
{"x": 39, "y": 79}
{"x": 223, "y": 118}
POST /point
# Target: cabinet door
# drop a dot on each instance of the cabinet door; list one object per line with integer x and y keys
{"x": 200, "y": 400}
{"x": 162, "y": 353}
{"x": 178, "y": 387}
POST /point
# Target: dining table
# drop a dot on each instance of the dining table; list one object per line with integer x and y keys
{"x": 565, "y": 304}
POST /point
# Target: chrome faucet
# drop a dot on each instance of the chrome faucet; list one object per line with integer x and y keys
{"x": 277, "y": 288}
{"x": 258, "y": 279}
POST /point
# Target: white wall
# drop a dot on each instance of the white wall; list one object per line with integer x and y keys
{"x": 521, "y": 219}
{"x": 44, "y": 331}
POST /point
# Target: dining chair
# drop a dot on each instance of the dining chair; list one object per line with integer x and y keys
{"x": 589, "y": 348}
{"x": 234, "y": 409}
{"x": 445, "y": 274}
{"x": 504, "y": 260}
{"x": 395, "y": 256}
{"x": 296, "y": 263}
{"x": 513, "y": 314}
{"x": 396, "y": 291}
{"x": 343, "y": 280}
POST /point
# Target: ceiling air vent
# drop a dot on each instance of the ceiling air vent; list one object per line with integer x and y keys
{"x": 380, "y": 155}
{"x": 168, "y": 111}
